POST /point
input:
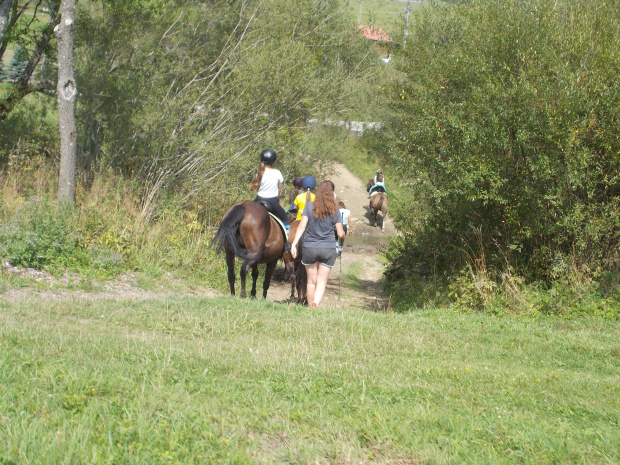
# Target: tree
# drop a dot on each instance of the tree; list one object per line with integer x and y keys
{"x": 67, "y": 95}
{"x": 5, "y": 9}
{"x": 506, "y": 120}
{"x": 18, "y": 64}
{"x": 34, "y": 34}
{"x": 186, "y": 93}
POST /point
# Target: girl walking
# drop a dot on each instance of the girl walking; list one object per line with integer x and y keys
{"x": 319, "y": 246}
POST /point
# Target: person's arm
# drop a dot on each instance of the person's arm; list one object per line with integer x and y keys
{"x": 300, "y": 230}
{"x": 350, "y": 225}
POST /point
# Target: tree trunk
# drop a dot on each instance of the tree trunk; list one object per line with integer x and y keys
{"x": 67, "y": 95}
{"x": 5, "y": 9}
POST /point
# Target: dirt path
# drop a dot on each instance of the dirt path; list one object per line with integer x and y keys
{"x": 354, "y": 281}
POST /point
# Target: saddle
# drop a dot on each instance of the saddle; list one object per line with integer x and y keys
{"x": 267, "y": 205}
{"x": 269, "y": 210}
{"x": 376, "y": 189}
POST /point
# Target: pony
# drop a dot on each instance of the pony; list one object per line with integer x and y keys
{"x": 249, "y": 232}
{"x": 379, "y": 202}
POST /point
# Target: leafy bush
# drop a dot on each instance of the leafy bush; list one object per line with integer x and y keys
{"x": 506, "y": 122}
{"x": 105, "y": 235}
{"x": 40, "y": 236}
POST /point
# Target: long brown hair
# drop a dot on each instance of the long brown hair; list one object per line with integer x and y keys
{"x": 324, "y": 202}
{"x": 259, "y": 177}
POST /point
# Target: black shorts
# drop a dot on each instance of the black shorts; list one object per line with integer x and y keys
{"x": 324, "y": 256}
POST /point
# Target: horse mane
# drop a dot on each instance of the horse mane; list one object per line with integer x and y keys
{"x": 227, "y": 234}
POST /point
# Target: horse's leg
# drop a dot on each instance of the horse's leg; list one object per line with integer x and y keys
{"x": 230, "y": 265}
{"x": 268, "y": 272}
{"x": 251, "y": 259}
{"x": 254, "y": 278}
{"x": 243, "y": 272}
{"x": 289, "y": 265}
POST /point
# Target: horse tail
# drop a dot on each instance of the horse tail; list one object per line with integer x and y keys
{"x": 227, "y": 234}
{"x": 301, "y": 276}
{"x": 380, "y": 203}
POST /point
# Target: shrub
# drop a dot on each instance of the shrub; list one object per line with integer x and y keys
{"x": 40, "y": 236}
{"x": 507, "y": 119}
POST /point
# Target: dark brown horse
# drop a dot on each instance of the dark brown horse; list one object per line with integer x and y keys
{"x": 379, "y": 202}
{"x": 248, "y": 231}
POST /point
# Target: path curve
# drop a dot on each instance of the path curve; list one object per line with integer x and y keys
{"x": 353, "y": 283}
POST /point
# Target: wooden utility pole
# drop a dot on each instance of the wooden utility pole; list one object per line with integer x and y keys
{"x": 67, "y": 96}
{"x": 359, "y": 18}
{"x": 407, "y": 26}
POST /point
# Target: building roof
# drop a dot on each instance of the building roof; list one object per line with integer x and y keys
{"x": 374, "y": 33}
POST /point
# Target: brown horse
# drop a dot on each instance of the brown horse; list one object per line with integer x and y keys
{"x": 248, "y": 231}
{"x": 379, "y": 202}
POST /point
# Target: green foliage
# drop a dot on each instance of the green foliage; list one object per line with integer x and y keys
{"x": 40, "y": 236}
{"x": 18, "y": 63}
{"x": 506, "y": 123}
{"x": 29, "y": 131}
{"x": 106, "y": 235}
{"x": 188, "y": 96}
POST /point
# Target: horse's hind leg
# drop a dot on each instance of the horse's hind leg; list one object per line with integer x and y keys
{"x": 254, "y": 278}
{"x": 243, "y": 272}
{"x": 250, "y": 262}
{"x": 290, "y": 269}
{"x": 268, "y": 272}
{"x": 230, "y": 265}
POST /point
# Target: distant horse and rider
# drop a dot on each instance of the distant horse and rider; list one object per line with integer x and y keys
{"x": 378, "y": 198}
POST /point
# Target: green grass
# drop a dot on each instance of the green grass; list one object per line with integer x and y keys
{"x": 387, "y": 14}
{"x": 190, "y": 380}
{"x": 352, "y": 276}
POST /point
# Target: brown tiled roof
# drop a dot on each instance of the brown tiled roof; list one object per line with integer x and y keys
{"x": 374, "y": 33}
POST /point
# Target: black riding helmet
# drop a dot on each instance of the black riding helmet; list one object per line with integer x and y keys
{"x": 268, "y": 156}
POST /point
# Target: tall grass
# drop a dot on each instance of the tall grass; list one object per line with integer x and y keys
{"x": 106, "y": 234}
{"x": 188, "y": 380}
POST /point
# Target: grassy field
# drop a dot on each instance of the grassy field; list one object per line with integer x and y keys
{"x": 387, "y": 14}
{"x": 188, "y": 380}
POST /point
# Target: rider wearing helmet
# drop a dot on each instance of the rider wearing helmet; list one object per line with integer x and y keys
{"x": 379, "y": 183}
{"x": 268, "y": 184}
{"x": 295, "y": 191}
{"x": 307, "y": 184}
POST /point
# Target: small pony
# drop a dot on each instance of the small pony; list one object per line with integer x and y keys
{"x": 378, "y": 202}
